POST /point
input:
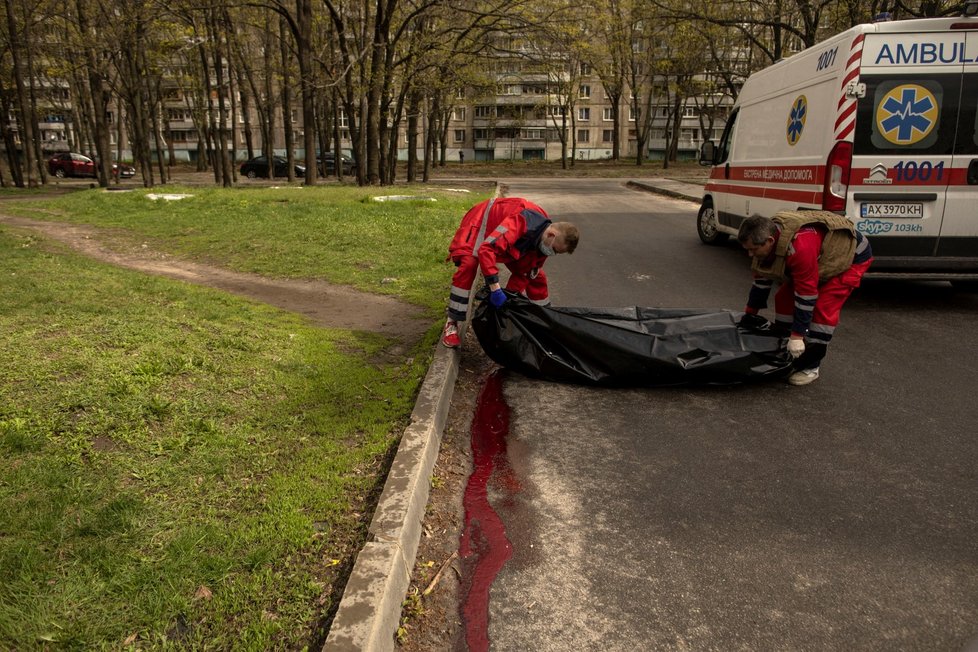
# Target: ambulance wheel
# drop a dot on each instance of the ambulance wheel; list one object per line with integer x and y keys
{"x": 706, "y": 225}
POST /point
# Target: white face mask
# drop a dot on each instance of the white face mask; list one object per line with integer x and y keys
{"x": 545, "y": 249}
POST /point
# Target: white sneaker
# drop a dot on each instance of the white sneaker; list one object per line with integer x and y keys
{"x": 803, "y": 377}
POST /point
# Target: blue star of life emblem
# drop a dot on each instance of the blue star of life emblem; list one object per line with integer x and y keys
{"x": 907, "y": 114}
{"x": 796, "y": 119}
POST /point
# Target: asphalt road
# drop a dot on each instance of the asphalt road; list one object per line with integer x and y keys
{"x": 838, "y": 516}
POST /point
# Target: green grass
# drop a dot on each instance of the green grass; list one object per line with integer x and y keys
{"x": 334, "y": 233}
{"x": 180, "y": 468}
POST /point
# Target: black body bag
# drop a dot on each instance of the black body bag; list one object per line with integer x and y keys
{"x": 629, "y": 346}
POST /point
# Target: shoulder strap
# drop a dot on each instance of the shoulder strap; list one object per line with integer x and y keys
{"x": 482, "y": 227}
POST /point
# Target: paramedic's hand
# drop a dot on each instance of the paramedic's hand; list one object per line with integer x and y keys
{"x": 753, "y": 322}
{"x": 497, "y": 298}
{"x": 796, "y": 346}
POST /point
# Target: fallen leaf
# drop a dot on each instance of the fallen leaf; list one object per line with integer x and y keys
{"x": 203, "y": 593}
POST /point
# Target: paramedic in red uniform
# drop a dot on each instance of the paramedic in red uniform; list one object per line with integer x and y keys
{"x": 510, "y": 231}
{"x": 819, "y": 259}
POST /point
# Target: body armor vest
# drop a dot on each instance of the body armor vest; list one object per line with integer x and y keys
{"x": 838, "y": 246}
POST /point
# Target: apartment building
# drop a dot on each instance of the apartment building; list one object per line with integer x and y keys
{"x": 521, "y": 118}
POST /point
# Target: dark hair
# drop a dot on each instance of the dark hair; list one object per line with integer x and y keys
{"x": 756, "y": 229}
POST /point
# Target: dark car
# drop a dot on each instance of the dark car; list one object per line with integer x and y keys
{"x": 123, "y": 170}
{"x": 70, "y": 164}
{"x": 258, "y": 167}
{"x": 327, "y": 164}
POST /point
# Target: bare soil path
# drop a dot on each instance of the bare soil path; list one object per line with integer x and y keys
{"x": 325, "y": 304}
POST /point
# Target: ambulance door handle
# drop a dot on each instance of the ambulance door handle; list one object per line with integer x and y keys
{"x": 726, "y": 171}
{"x": 973, "y": 172}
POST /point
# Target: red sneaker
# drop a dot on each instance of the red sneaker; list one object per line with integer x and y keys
{"x": 450, "y": 335}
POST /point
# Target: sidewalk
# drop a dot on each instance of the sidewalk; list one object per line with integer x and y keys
{"x": 370, "y": 610}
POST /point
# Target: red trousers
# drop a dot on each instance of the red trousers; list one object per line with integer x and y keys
{"x": 535, "y": 287}
{"x": 832, "y": 295}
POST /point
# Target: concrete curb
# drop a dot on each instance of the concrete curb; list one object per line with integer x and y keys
{"x": 370, "y": 610}
{"x": 677, "y": 189}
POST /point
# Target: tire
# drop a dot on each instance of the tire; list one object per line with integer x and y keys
{"x": 251, "y": 174}
{"x": 706, "y": 225}
{"x": 60, "y": 173}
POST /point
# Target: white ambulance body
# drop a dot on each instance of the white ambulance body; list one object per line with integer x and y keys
{"x": 879, "y": 123}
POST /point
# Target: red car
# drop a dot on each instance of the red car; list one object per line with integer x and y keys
{"x": 77, "y": 165}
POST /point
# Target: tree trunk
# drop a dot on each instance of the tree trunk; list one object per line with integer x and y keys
{"x": 286, "y": 106}
{"x": 414, "y": 105}
{"x": 23, "y": 104}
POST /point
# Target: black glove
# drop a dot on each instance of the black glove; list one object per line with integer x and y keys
{"x": 753, "y": 322}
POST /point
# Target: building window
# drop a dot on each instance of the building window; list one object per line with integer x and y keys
{"x": 689, "y": 112}
{"x": 558, "y": 111}
{"x": 585, "y": 69}
{"x": 532, "y": 134}
{"x": 585, "y": 91}
{"x": 183, "y": 136}
{"x": 344, "y": 121}
{"x": 607, "y": 135}
{"x": 584, "y": 113}
{"x": 512, "y": 89}
{"x": 607, "y": 114}
{"x": 459, "y": 113}
{"x": 481, "y": 134}
{"x": 631, "y": 114}
{"x": 460, "y": 135}
{"x": 484, "y": 111}
{"x": 583, "y": 135}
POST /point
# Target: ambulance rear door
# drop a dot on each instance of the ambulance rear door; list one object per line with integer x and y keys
{"x": 903, "y": 145}
{"x": 957, "y": 247}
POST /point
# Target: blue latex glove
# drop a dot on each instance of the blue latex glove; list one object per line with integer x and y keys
{"x": 497, "y": 298}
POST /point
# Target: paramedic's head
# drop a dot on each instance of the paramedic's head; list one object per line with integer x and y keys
{"x": 559, "y": 238}
{"x": 757, "y": 235}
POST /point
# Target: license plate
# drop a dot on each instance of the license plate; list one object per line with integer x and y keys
{"x": 888, "y": 209}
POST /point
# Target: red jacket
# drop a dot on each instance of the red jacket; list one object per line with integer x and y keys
{"x": 509, "y": 236}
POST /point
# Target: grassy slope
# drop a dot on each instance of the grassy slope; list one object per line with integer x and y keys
{"x": 184, "y": 466}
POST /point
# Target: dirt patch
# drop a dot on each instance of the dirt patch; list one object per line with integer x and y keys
{"x": 430, "y": 619}
{"x": 325, "y": 304}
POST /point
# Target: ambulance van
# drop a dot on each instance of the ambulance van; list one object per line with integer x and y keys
{"x": 878, "y": 123}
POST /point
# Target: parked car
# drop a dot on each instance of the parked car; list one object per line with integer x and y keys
{"x": 258, "y": 167}
{"x": 327, "y": 164}
{"x": 123, "y": 170}
{"x": 69, "y": 164}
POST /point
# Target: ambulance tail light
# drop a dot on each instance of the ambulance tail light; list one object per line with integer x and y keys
{"x": 837, "y": 177}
